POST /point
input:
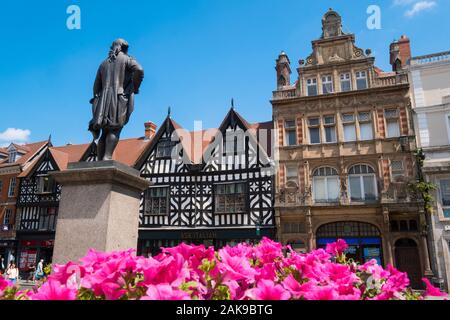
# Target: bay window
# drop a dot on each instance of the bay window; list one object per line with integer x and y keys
{"x": 362, "y": 183}
{"x": 325, "y": 185}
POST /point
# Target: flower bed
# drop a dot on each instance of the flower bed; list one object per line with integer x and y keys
{"x": 267, "y": 271}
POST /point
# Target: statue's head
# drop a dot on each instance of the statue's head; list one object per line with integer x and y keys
{"x": 119, "y": 45}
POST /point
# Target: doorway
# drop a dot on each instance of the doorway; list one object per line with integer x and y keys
{"x": 407, "y": 259}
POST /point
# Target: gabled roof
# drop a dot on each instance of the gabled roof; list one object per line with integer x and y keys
{"x": 30, "y": 151}
{"x": 127, "y": 152}
{"x": 195, "y": 153}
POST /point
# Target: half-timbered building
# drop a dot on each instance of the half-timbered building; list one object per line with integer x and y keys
{"x": 39, "y": 196}
{"x": 212, "y": 187}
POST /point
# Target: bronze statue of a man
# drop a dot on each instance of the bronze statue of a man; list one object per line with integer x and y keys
{"x": 118, "y": 80}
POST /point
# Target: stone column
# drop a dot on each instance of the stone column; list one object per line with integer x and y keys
{"x": 99, "y": 208}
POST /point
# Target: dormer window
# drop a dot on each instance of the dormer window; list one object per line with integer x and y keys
{"x": 12, "y": 156}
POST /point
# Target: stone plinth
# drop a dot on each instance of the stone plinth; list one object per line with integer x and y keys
{"x": 99, "y": 209}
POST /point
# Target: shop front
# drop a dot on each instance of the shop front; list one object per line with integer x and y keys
{"x": 32, "y": 251}
{"x": 363, "y": 239}
{"x": 150, "y": 241}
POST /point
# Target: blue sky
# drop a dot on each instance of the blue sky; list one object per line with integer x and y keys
{"x": 197, "y": 55}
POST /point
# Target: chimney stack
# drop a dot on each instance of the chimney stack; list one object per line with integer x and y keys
{"x": 150, "y": 130}
{"x": 400, "y": 52}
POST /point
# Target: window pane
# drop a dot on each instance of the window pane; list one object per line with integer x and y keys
{"x": 393, "y": 129}
{"x": 355, "y": 188}
{"x": 329, "y": 120}
{"x": 330, "y": 134}
{"x": 312, "y": 90}
{"x": 361, "y": 84}
{"x": 366, "y": 131}
{"x": 289, "y": 124}
{"x": 369, "y": 188}
{"x": 319, "y": 189}
{"x": 314, "y": 135}
{"x": 333, "y": 188}
{"x": 314, "y": 121}
{"x": 349, "y": 132}
{"x": 291, "y": 138}
{"x": 445, "y": 192}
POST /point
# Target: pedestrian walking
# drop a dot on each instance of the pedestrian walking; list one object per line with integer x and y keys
{"x": 32, "y": 273}
{"x": 40, "y": 270}
{"x": 12, "y": 273}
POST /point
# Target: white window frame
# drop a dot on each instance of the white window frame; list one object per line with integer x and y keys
{"x": 447, "y": 124}
{"x": 293, "y": 178}
{"x": 329, "y": 125}
{"x": 392, "y": 119}
{"x": 399, "y": 174}
{"x": 361, "y": 181}
{"x": 7, "y": 216}
{"x": 348, "y": 123}
{"x": 12, "y": 187}
{"x": 290, "y": 129}
{"x": 349, "y": 80}
{"x": 314, "y": 126}
{"x": 325, "y": 178}
{"x": 326, "y": 80}
{"x": 358, "y": 76}
{"x": 311, "y": 82}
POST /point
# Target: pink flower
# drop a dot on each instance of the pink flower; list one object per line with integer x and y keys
{"x": 165, "y": 292}
{"x": 268, "y": 290}
{"x": 54, "y": 290}
{"x": 337, "y": 248}
{"x": 432, "y": 291}
{"x": 235, "y": 268}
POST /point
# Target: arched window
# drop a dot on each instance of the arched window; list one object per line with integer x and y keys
{"x": 362, "y": 183}
{"x": 325, "y": 185}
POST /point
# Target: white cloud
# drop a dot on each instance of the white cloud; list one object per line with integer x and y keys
{"x": 419, "y": 7}
{"x": 15, "y": 135}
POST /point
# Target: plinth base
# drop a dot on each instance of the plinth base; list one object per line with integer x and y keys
{"x": 99, "y": 209}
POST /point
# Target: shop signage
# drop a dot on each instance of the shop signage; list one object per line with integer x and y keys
{"x": 198, "y": 235}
